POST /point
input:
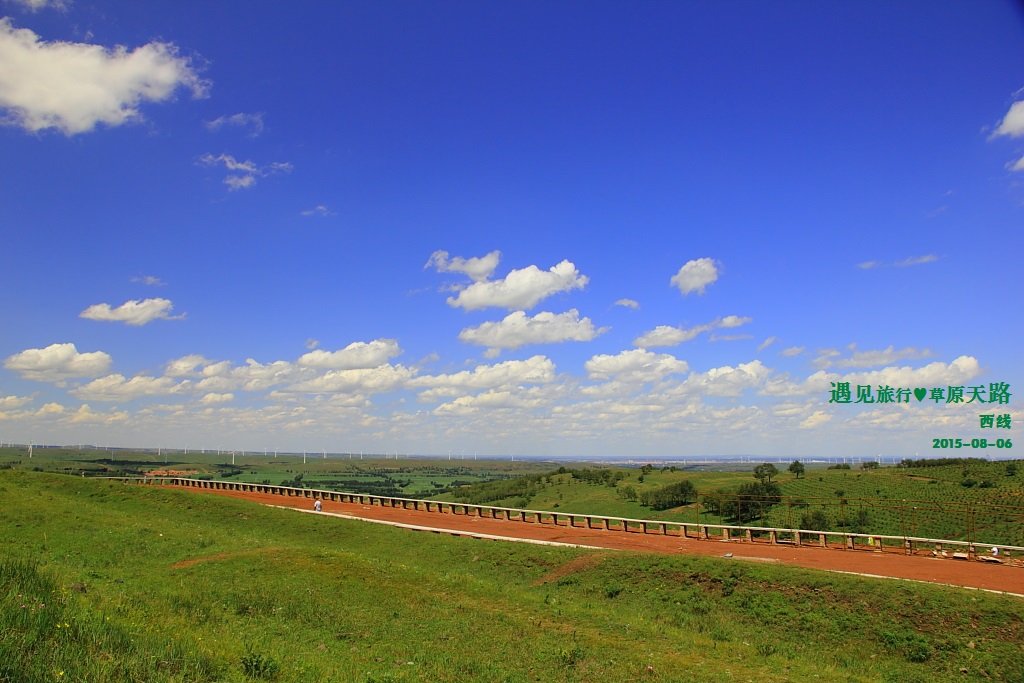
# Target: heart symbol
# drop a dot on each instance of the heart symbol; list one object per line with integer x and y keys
{"x": 919, "y": 393}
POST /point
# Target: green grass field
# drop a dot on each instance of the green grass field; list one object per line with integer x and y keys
{"x": 929, "y": 502}
{"x": 105, "y": 582}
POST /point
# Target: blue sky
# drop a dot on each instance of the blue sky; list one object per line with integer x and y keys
{"x": 575, "y": 228}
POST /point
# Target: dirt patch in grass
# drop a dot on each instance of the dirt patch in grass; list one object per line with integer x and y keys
{"x": 577, "y": 565}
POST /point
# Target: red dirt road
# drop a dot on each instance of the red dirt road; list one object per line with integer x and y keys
{"x": 981, "y": 575}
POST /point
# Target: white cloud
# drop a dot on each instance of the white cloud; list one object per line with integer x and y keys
{"x": 867, "y": 359}
{"x": 254, "y": 122}
{"x": 132, "y": 312}
{"x": 732, "y": 321}
{"x": 634, "y": 366}
{"x": 186, "y": 366}
{"x": 517, "y": 329}
{"x": 479, "y": 268}
{"x": 354, "y": 356}
{"x": 117, "y": 388}
{"x": 253, "y": 376}
{"x": 726, "y": 380}
{"x": 246, "y": 172}
{"x": 729, "y": 337}
{"x": 628, "y": 303}
{"x": 489, "y": 400}
{"x": 909, "y": 261}
{"x": 36, "y": 5}
{"x": 215, "y": 399}
{"x": 86, "y": 415}
{"x": 12, "y": 402}
{"x": 937, "y": 374}
{"x": 57, "y": 362}
{"x": 359, "y": 381}
{"x": 318, "y": 210}
{"x": 766, "y": 343}
{"x": 666, "y": 335}
{"x": 535, "y": 370}
{"x": 150, "y": 280}
{"x": 520, "y": 289}
{"x": 792, "y": 351}
{"x": 819, "y": 417}
{"x": 312, "y": 343}
{"x": 1016, "y": 165}
{"x": 695, "y": 275}
{"x": 1013, "y": 123}
{"x": 72, "y": 87}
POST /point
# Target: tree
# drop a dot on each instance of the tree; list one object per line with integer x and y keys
{"x": 750, "y": 501}
{"x": 764, "y": 473}
{"x": 797, "y": 468}
{"x": 815, "y": 520}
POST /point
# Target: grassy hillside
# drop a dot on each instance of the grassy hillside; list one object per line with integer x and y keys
{"x": 977, "y": 500}
{"x": 105, "y": 582}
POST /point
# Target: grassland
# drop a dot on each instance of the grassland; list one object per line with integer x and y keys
{"x": 930, "y": 502}
{"x": 103, "y": 582}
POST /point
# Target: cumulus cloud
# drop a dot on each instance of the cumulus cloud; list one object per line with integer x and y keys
{"x": 534, "y": 370}
{"x": 666, "y": 335}
{"x": 520, "y": 289}
{"x": 634, "y": 366}
{"x": 244, "y": 173}
{"x": 818, "y": 418}
{"x": 13, "y": 402}
{"x": 354, "y": 356}
{"x": 1012, "y": 124}
{"x": 252, "y": 122}
{"x": 726, "y": 380}
{"x": 695, "y": 275}
{"x": 376, "y": 380}
{"x": 73, "y": 87}
{"x": 57, "y": 362}
{"x": 186, "y": 366}
{"x": 489, "y": 400}
{"x": 118, "y": 388}
{"x": 517, "y": 329}
{"x": 132, "y": 312}
{"x": 628, "y": 303}
{"x": 732, "y": 321}
{"x": 253, "y": 376}
{"x": 479, "y": 268}
{"x": 215, "y": 399}
{"x": 937, "y": 374}
{"x": 149, "y": 280}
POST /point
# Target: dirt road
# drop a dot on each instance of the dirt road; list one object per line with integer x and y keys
{"x": 993, "y": 577}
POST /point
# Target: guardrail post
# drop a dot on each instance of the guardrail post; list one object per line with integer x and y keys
{"x": 773, "y": 537}
{"x": 796, "y": 539}
{"x": 750, "y": 535}
{"x": 822, "y": 540}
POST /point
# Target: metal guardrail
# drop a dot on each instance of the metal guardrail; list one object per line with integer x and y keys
{"x": 693, "y": 530}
